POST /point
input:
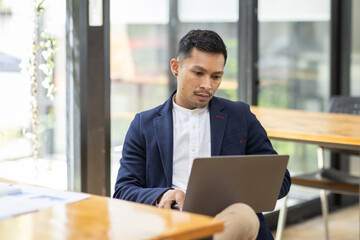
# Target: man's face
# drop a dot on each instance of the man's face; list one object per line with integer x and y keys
{"x": 198, "y": 78}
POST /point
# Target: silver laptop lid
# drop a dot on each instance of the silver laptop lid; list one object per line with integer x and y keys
{"x": 217, "y": 182}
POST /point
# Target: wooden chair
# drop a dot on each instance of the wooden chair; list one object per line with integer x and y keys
{"x": 327, "y": 179}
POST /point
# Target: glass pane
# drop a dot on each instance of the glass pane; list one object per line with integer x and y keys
{"x": 139, "y": 63}
{"x": 294, "y": 10}
{"x": 208, "y": 11}
{"x": 16, "y": 138}
{"x": 139, "y": 11}
{"x": 355, "y": 49}
{"x": 294, "y": 65}
{"x": 355, "y": 70}
{"x": 294, "y": 54}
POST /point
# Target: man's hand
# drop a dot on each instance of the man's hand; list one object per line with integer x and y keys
{"x": 171, "y": 196}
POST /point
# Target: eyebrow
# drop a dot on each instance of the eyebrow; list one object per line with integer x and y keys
{"x": 204, "y": 70}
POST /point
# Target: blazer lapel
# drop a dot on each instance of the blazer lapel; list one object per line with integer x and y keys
{"x": 163, "y": 126}
{"x": 218, "y": 120}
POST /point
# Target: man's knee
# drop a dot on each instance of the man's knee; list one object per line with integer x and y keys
{"x": 241, "y": 222}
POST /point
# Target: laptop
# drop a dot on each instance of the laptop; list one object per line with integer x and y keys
{"x": 217, "y": 182}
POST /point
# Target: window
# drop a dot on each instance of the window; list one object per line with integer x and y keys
{"x": 16, "y": 145}
{"x": 140, "y": 57}
{"x": 294, "y": 66}
{"x": 355, "y": 49}
{"x": 355, "y": 69}
{"x": 139, "y": 63}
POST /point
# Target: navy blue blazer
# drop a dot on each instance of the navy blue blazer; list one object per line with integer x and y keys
{"x": 146, "y": 165}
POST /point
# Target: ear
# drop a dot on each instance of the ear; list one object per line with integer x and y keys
{"x": 174, "y": 64}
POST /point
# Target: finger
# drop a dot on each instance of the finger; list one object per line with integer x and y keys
{"x": 181, "y": 204}
{"x": 167, "y": 199}
{"x": 179, "y": 198}
{"x": 167, "y": 204}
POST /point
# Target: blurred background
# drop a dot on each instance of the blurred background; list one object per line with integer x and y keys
{"x": 294, "y": 63}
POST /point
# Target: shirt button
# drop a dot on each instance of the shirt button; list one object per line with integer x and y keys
{"x": 194, "y": 127}
{"x": 193, "y": 150}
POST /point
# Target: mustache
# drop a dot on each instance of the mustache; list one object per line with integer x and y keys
{"x": 203, "y": 92}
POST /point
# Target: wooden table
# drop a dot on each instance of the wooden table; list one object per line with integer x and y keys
{"x": 104, "y": 218}
{"x": 340, "y": 131}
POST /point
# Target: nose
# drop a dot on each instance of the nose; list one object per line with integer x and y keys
{"x": 206, "y": 83}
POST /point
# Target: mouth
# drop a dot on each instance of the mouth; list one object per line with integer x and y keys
{"x": 203, "y": 96}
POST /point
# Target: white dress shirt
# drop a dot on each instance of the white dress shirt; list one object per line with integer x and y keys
{"x": 191, "y": 130}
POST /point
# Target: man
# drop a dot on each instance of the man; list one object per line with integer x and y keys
{"x": 162, "y": 143}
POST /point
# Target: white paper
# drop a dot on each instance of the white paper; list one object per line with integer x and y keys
{"x": 32, "y": 198}
{"x": 8, "y": 189}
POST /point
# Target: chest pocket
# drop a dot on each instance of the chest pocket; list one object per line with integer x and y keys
{"x": 234, "y": 144}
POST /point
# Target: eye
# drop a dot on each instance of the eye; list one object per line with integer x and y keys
{"x": 197, "y": 73}
{"x": 217, "y": 77}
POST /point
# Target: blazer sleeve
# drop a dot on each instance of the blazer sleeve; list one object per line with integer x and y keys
{"x": 131, "y": 183}
{"x": 259, "y": 143}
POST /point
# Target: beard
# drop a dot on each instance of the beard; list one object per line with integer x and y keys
{"x": 199, "y": 104}
{"x": 203, "y": 92}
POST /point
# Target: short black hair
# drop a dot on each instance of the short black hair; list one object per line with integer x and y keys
{"x": 203, "y": 40}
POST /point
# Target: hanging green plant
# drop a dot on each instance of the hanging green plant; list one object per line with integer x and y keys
{"x": 30, "y": 67}
{"x": 48, "y": 44}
